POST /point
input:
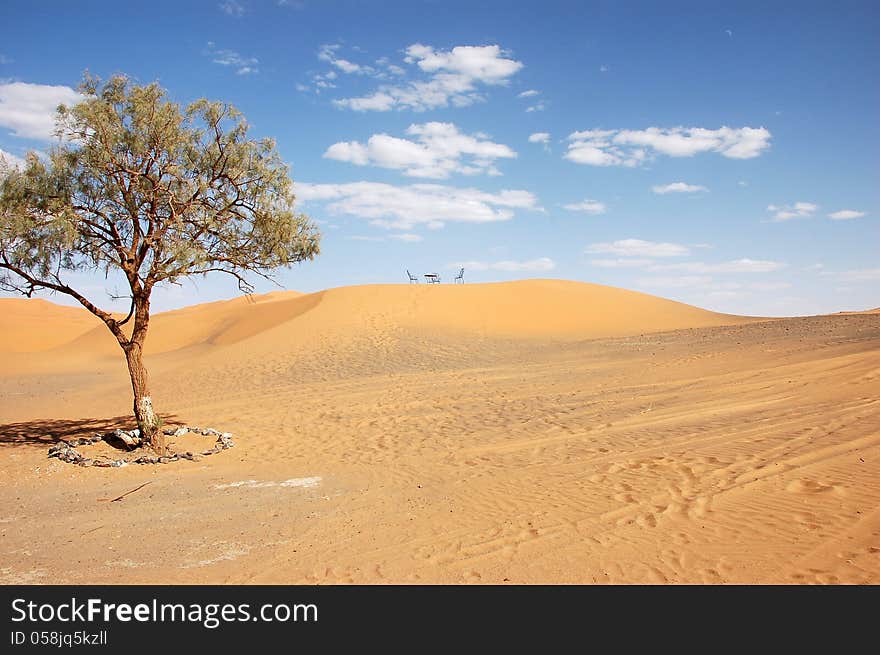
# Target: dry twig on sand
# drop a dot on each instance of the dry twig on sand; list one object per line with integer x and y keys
{"x": 113, "y": 500}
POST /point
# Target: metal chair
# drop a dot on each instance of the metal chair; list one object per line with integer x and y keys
{"x": 412, "y": 278}
{"x": 459, "y": 277}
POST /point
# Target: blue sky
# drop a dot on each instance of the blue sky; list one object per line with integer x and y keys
{"x": 721, "y": 154}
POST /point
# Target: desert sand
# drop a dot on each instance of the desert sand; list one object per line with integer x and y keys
{"x": 529, "y": 432}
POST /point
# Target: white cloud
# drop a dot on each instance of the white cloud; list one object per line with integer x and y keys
{"x": 845, "y": 214}
{"x": 639, "y": 248}
{"x": 483, "y": 63}
{"x": 407, "y": 236}
{"x": 358, "y": 237}
{"x": 454, "y": 76}
{"x": 382, "y": 70}
{"x": 622, "y": 263}
{"x": 541, "y": 137}
{"x": 541, "y": 106}
{"x": 379, "y": 101}
{"x": 855, "y": 275}
{"x": 678, "y": 187}
{"x": 769, "y": 286}
{"x": 439, "y": 150}
{"x": 540, "y": 264}
{"x": 710, "y": 285}
{"x": 8, "y": 160}
{"x": 633, "y": 147}
{"x": 401, "y": 207}
{"x": 346, "y": 66}
{"x": 587, "y": 206}
{"x": 677, "y": 282}
{"x": 788, "y": 212}
{"x": 28, "y": 110}
{"x": 232, "y": 8}
{"x": 242, "y": 65}
{"x": 392, "y": 69}
{"x": 531, "y": 93}
{"x": 328, "y": 53}
{"x": 744, "y": 265}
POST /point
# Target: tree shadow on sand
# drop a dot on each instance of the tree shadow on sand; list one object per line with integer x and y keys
{"x": 46, "y": 432}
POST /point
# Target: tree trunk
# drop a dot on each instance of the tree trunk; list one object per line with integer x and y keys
{"x": 146, "y": 418}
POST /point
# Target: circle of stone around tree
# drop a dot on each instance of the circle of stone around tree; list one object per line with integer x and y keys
{"x": 66, "y": 450}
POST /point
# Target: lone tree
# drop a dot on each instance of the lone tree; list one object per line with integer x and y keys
{"x": 138, "y": 186}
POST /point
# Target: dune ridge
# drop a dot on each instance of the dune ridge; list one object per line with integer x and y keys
{"x": 529, "y": 308}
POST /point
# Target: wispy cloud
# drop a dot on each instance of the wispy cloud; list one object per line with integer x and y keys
{"x": 677, "y": 282}
{"x": 454, "y": 78}
{"x": 854, "y": 275}
{"x": 242, "y": 65}
{"x": 232, "y": 8}
{"x": 788, "y": 212}
{"x": 639, "y": 248}
{"x": 407, "y": 237}
{"x": 845, "y": 215}
{"x": 439, "y": 149}
{"x": 634, "y": 147}
{"x": 587, "y": 206}
{"x": 540, "y": 105}
{"x": 540, "y": 137}
{"x": 707, "y": 283}
{"x": 361, "y": 237}
{"x": 678, "y": 187}
{"x": 625, "y": 262}
{"x": 744, "y": 265}
{"x": 534, "y": 265}
{"x": 329, "y": 54}
{"x": 402, "y": 207}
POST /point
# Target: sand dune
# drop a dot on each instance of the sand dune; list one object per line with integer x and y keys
{"x": 211, "y": 324}
{"x": 540, "y": 431}
{"x": 31, "y": 325}
{"x": 876, "y": 310}
{"x": 530, "y": 308}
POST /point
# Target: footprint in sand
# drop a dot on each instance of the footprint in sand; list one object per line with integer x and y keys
{"x": 805, "y": 485}
{"x": 472, "y": 576}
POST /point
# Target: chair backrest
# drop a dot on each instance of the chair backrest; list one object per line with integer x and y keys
{"x": 410, "y": 275}
{"x": 461, "y": 273}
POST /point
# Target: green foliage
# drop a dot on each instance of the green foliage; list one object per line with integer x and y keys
{"x": 139, "y": 185}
